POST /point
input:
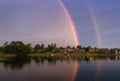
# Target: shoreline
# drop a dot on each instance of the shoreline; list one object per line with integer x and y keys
{"x": 56, "y": 55}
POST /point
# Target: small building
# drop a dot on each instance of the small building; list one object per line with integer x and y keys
{"x": 53, "y": 51}
{"x": 77, "y": 50}
{"x": 114, "y": 51}
{"x": 102, "y": 50}
{"x": 117, "y": 51}
{"x": 39, "y": 51}
{"x": 91, "y": 50}
{"x": 70, "y": 50}
{"x": 63, "y": 51}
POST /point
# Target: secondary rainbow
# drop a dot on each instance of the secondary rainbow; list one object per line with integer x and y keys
{"x": 74, "y": 32}
{"x": 95, "y": 25}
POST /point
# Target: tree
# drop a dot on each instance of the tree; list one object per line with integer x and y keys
{"x": 51, "y": 47}
{"x": 73, "y": 48}
{"x": 17, "y": 47}
{"x": 68, "y": 47}
{"x": 1, "y": 49}
{"x": 5, "y": 44}
{"x": 79, "y": 46}
{"x": 87, "y": 49}
{"x": 37, "y": 48}
{"x": 42, "y": 46}
{"x": 61, "y": 48}
{"x": 28, "y": 48}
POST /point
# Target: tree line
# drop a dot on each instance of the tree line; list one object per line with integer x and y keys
{"x": 18, "y": 47}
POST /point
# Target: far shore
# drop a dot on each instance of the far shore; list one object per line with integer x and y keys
{"x": 55, "y": 55}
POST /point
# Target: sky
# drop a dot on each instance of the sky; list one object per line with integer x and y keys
{"x": 44, "y": 21}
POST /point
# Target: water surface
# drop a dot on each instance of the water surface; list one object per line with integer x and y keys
{"x": 82, "y": 68}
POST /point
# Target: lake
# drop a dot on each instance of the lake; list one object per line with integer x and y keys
{"x": 81, "y": 68}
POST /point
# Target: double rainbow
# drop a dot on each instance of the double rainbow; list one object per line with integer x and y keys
{"x": 74, "y": 32}
{"x": 94, "y": 22}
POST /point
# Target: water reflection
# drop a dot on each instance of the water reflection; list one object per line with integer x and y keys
{"x": 16, "y": 63}
{"x": 64, "y": 68}
{"x": 19, "y": 62}
{"x": 103, "y": 68}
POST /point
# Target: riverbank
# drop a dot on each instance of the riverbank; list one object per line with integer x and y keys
{"x": 7, "y": 55}
{"x": 55, "y": 54}
{"x": 71, "y": 55}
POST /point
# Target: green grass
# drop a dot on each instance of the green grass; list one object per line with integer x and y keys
{"x": 55, "y": 54}
{"x": 46, "y": 55}
{"x": 63, "y": 54}
{"x": 7, "y": 55}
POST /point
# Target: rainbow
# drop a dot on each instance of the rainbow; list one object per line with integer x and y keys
{"x": 75, "y": 70}
{"x": 98, "y": 68}
{"x": 74, "y": 32}
{"x": 95, "y": 25}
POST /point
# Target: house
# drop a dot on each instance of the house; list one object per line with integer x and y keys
{"x": 70, "y": 50}
{"x": 39, "y": 51}
{"x": 74, "y": 50}
{"x": 102, "y": 50}
{"x": 63, "y": 51}
{"x": 116, "y": 51}
{"x": 77, "y": 50}
{"x": 91, "y": 50}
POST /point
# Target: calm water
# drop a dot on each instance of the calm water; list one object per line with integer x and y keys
{"x": 65, "y": 68}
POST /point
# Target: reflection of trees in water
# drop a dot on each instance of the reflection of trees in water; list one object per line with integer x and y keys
{"x": 94, "y": 58}
{"x": 38, "y": 60}
{"x": 17, "y": 63}
{"x": 51, "y": 60}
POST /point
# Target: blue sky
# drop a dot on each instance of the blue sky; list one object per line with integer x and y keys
{"x": 43, "y": 21}
{"x": 107, "y": 16}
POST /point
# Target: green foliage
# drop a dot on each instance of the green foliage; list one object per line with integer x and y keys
{"x": 1, "y": 49}
{"x": 45, "y": 50}
{"x": 28, "y": 48}
{"x": 68, "y": 47}
{"x": 51, "y": 47}
{"x": 61, "y": 48}
{"x": 38, "y": 48}
{"x": 17, "y": 47}
{"x": 79, "y": 46}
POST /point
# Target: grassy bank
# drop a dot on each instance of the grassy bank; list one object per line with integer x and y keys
{"x": 7, "y": 55}
{"x": 55, "y": 54}
{"x": 62, "y": 54}
{"x": 46, "y": 55}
